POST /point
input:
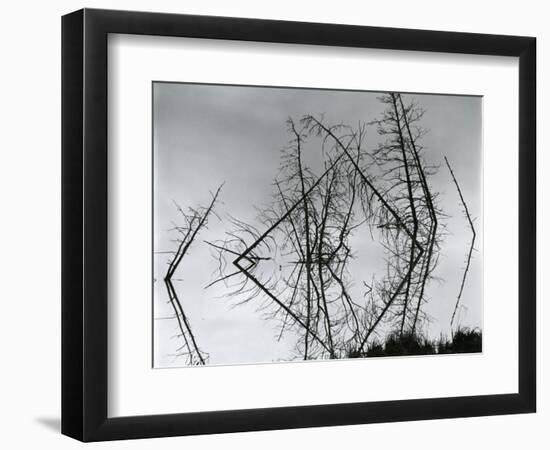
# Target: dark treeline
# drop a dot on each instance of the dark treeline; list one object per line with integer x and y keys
{"x": 463, "y": 340}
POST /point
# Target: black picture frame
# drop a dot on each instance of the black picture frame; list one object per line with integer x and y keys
{"x": 84, "y": 224}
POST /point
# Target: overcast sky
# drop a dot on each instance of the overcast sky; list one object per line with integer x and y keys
{"x": 205, "y": 135}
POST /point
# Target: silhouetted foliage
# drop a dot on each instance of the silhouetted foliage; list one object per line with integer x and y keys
{"x": 464, "y": 340}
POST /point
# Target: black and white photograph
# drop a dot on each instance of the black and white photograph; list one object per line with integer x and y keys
{"x": 297, "y": 224}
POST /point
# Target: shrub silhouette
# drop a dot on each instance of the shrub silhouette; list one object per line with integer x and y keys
{"x": 464, "y": 340}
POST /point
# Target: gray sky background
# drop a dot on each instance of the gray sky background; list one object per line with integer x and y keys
{"x": 208, "y": 134}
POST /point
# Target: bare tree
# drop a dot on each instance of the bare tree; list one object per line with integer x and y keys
{"x": 194, "y": 220}
{"x": 308, "y": 226}
{"x": 471, "y": 249}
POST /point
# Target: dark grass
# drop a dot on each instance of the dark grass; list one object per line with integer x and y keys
{"x": 464, "y": 340}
